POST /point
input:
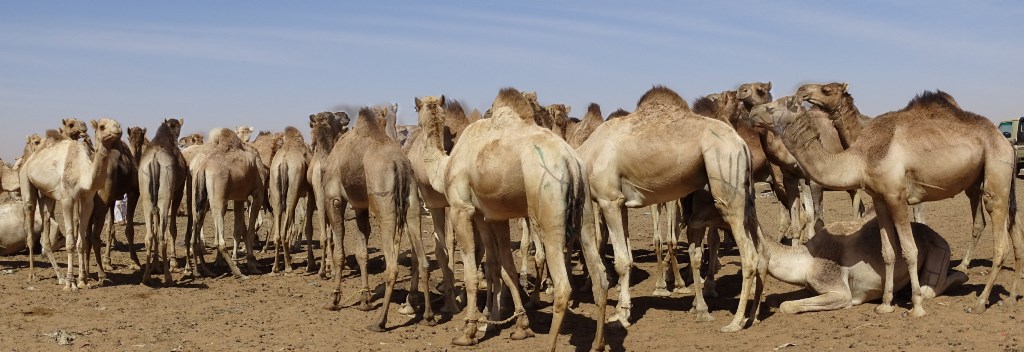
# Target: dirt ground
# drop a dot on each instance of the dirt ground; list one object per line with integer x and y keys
{"x": 282, "y": 313}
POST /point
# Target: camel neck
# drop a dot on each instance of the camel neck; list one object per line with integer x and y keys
{"x": 838, "y": 171}
{"x": 846, "y": 119}
{"x": 94, "y": 177}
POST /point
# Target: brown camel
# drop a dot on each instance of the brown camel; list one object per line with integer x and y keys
{"x": 503, "y": 168}
{"x": 137, "y": 142}
{"x": 121, "y": 183}
{"x": 162, "y": 175}
{"x": 455, "y": 121}
{"x": 190, "y": 140}
{"x": 66, "y": 170}
{"x": 325, "y": 127}
{"x": 228, "y": 172}
{"x": 367, "y": 171}
{"x": 287, "y": 184}
{"x": 389, "y": 118}
{"x": 965, "y": 154}
{"x": 244, "y": 133}
{"x": 626, "y": 172}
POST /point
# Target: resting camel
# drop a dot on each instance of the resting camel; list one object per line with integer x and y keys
{"x": 503, "y": 168}
{"x": 627, "y": 172}
{"x": 8, "y": 178}
{"x": 325, "y": 127}
{"x": 228, "y": 172}
{"x": 367, "y": 171}
{"x": 66, "y": 170}
{"x": 12, "y": 229}
{"x": 161, "y": 176}
{"x": 844, "y": 265}
{"x": 420, "y": 156}
{"x": 965, "y": 154}
{"x": 287, "y": 184}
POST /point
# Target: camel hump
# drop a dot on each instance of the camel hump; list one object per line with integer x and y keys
{"x": 930, "y": 99}
{"x": 593, "y": 110}
{"x": 511, "y": 98}
{"x": 661, "y": 95}
{"x": 617, "y": 114}
{"x": 55, "y": 135}
{"x": 453, "y": 109}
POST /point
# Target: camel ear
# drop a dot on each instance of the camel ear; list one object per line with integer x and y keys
{"x": 769, "y": 85}
{"x": 568, "y": 109}
{"x": 181, "y": 122}
{"x": 845, "y": 85}
{"x": 441, "y": 102}
{"x": 417, "y": 102}
{"x": 143, "y": 131}
{"x": 95, "y": 124}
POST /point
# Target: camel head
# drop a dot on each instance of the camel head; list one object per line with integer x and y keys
{"x": 192, "y": 139}
{"x": 173, "y": 125}
{"x": 754, "y": 94}
{"x": 430, "y": 111}
{"x": 827, "y": 97}
{"x": 107, "y": 132}
{"x": 777, "y": 114}
{"x": 720, "y": 106}
{"x": 560, "y": 118}
{"x": 136, "y": 135}
{"x": 244, "y": 132}
{"x": 32, "y": 143}
{"x": 73, "y": 128}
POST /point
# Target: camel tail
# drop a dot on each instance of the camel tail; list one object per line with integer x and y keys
{"x": 400, "y": 193}
{"x": 282, "y": 183}
{"x": 575, "y": 196}
{"x": 154, "y": 183}
{"x": 202, "y": 200}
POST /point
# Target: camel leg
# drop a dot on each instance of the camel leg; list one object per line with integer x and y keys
{"x": 289, "y": 227}
{"x": 336, "y": 214}
{"x": 714, "y": 235}
{"x": 250, "y": 235}
{"x": 218, "y": 211}
{"x": 807, "y": 227}
{"x": 793, "y": 204}
{"x": 420, "y": 264}
{"x": 363, "y": 224}
{"x": 325, "y": 230}
{"x": 390, "y": 240}
{"x": 818, "y": 206}
{"x": 147, "y": 210}
{"x": 540, "y": 265}
{"x": 47, "y": 210}
{"x": 887, "y": 231}
{"x": 857, "y": 198}
{"x": 524, "y": 251}
{"x": 110, "y": 239}
{"x": 996, "y": 201}
{"x": 831, "y": 300}
{"x": 500, "y": 241}
{"x": 1017, "y": 235}
{"x": 748, "y": 260}
{"x": 615, "y": 217}
{"x": 307, "y": 231}
{"x": 900, "y": 214}
{"x": 918, "y": 213}
{"x": 276, "y": 229}
{"x": 673, "y": 210}
{"x": 974, "y": 196}
{"x": 30, "y": 198}
{"x": 695, "y": 235}
{"x": 660, "y": 286}
{"x": 164, "y": 240}
{"x": 462, "y": 224}
{"x": 129, "y": 230}
{"x": 595, "y": 268}
{"x": 441, "y": 255}
{"x": 71, "y": 241}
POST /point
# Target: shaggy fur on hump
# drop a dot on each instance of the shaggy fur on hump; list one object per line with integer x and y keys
{"x": 368, "y": 124}
{"x": 661, "y": 95}
{"x": 593, "y": 110}
{"x": 932, "y": 99}
{"x": 617, "y": 114}
{"x": 705, "y": 106}
{"x": 511, "y": 98}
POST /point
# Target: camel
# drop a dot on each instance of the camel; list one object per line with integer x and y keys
{"x": 161, "y": 178}
{"x": 244, "y": 133}
{"x": 8, "y": 178}
{"x": 489, "y": 178}
{"x": 367, "y": 171}
{"x": 843, "y": 264}
{"x": 137, "y": 142}
{"x": 66, "y": 170}
{"x": 121, "y": 181}
{"x": 287, "y": 184}
{"x": 693, "y": 152}
{"x": 266, "y": 145}
{"x": 617, "y": 114}
{"x": 455, "y": 122}
{"x": 325, "y": 127}
{"x": 190, "y": 140}
{"x": 228, "y": 172}
{"x": 964, "y": 154}
{"x": 12, "y": 229}
{"x": 389, "y": 116}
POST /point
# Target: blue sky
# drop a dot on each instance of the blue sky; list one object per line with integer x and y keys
{"x": 270, "y": 64}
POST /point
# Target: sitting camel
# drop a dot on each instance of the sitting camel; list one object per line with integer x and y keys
{"x": 843, "y": 264}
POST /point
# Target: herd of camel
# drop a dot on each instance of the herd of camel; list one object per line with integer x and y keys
{"x": 570, "y": 180}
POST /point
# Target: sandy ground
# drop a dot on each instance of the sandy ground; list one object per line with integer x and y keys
{"x": 282, "y": 313}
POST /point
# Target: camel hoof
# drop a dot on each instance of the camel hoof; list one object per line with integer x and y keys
{"x": 884, "y": 309}
{"x": 683, "y": 290}
{"x": 332, "y": 307}
{"x": 364, "y": 307}
{"x": 464, "y": 340}
{"x": 134, "y": 266}
{"x": 661, "y": 292}
{"x": 704, "y": 317}
{"x": 618, "y": 317}
{"x": 406, "y": 309}
{"x": 976, "y": 310}
{"x": 915, "y": 312}
{"x": 520, "y": 334}
{"x": 731, "y": 328}
{"x": 961, "y": 267}
{"x": 375, "y": 328}
{"x": 429, "y": 321}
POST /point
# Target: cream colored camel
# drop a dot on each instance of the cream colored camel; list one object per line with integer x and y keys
{"x": 8, "y": 178}
{"x": 964, "y": 154}
{"x": 287, "y": 184}
{"x": 266, "y": 145}
{"x": 325, "y": 128}
{"x": 244, "y": 133}
{"x": 585, "y": 127}
{"x": 162, "y": 176}
{"x": 421, "y": 157}
{"x": 229, "y": 172}
{"x": 367, "y": 171}
{"x": 389, "y": 116}
{"x": 191, "y": 140}
{"x": 503, "y": 168}
{"x": 12, "y": 229}
{"x": 844, "y": 265}
{"x": 693, "y": 152}
{"x": 67, "y": 171}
